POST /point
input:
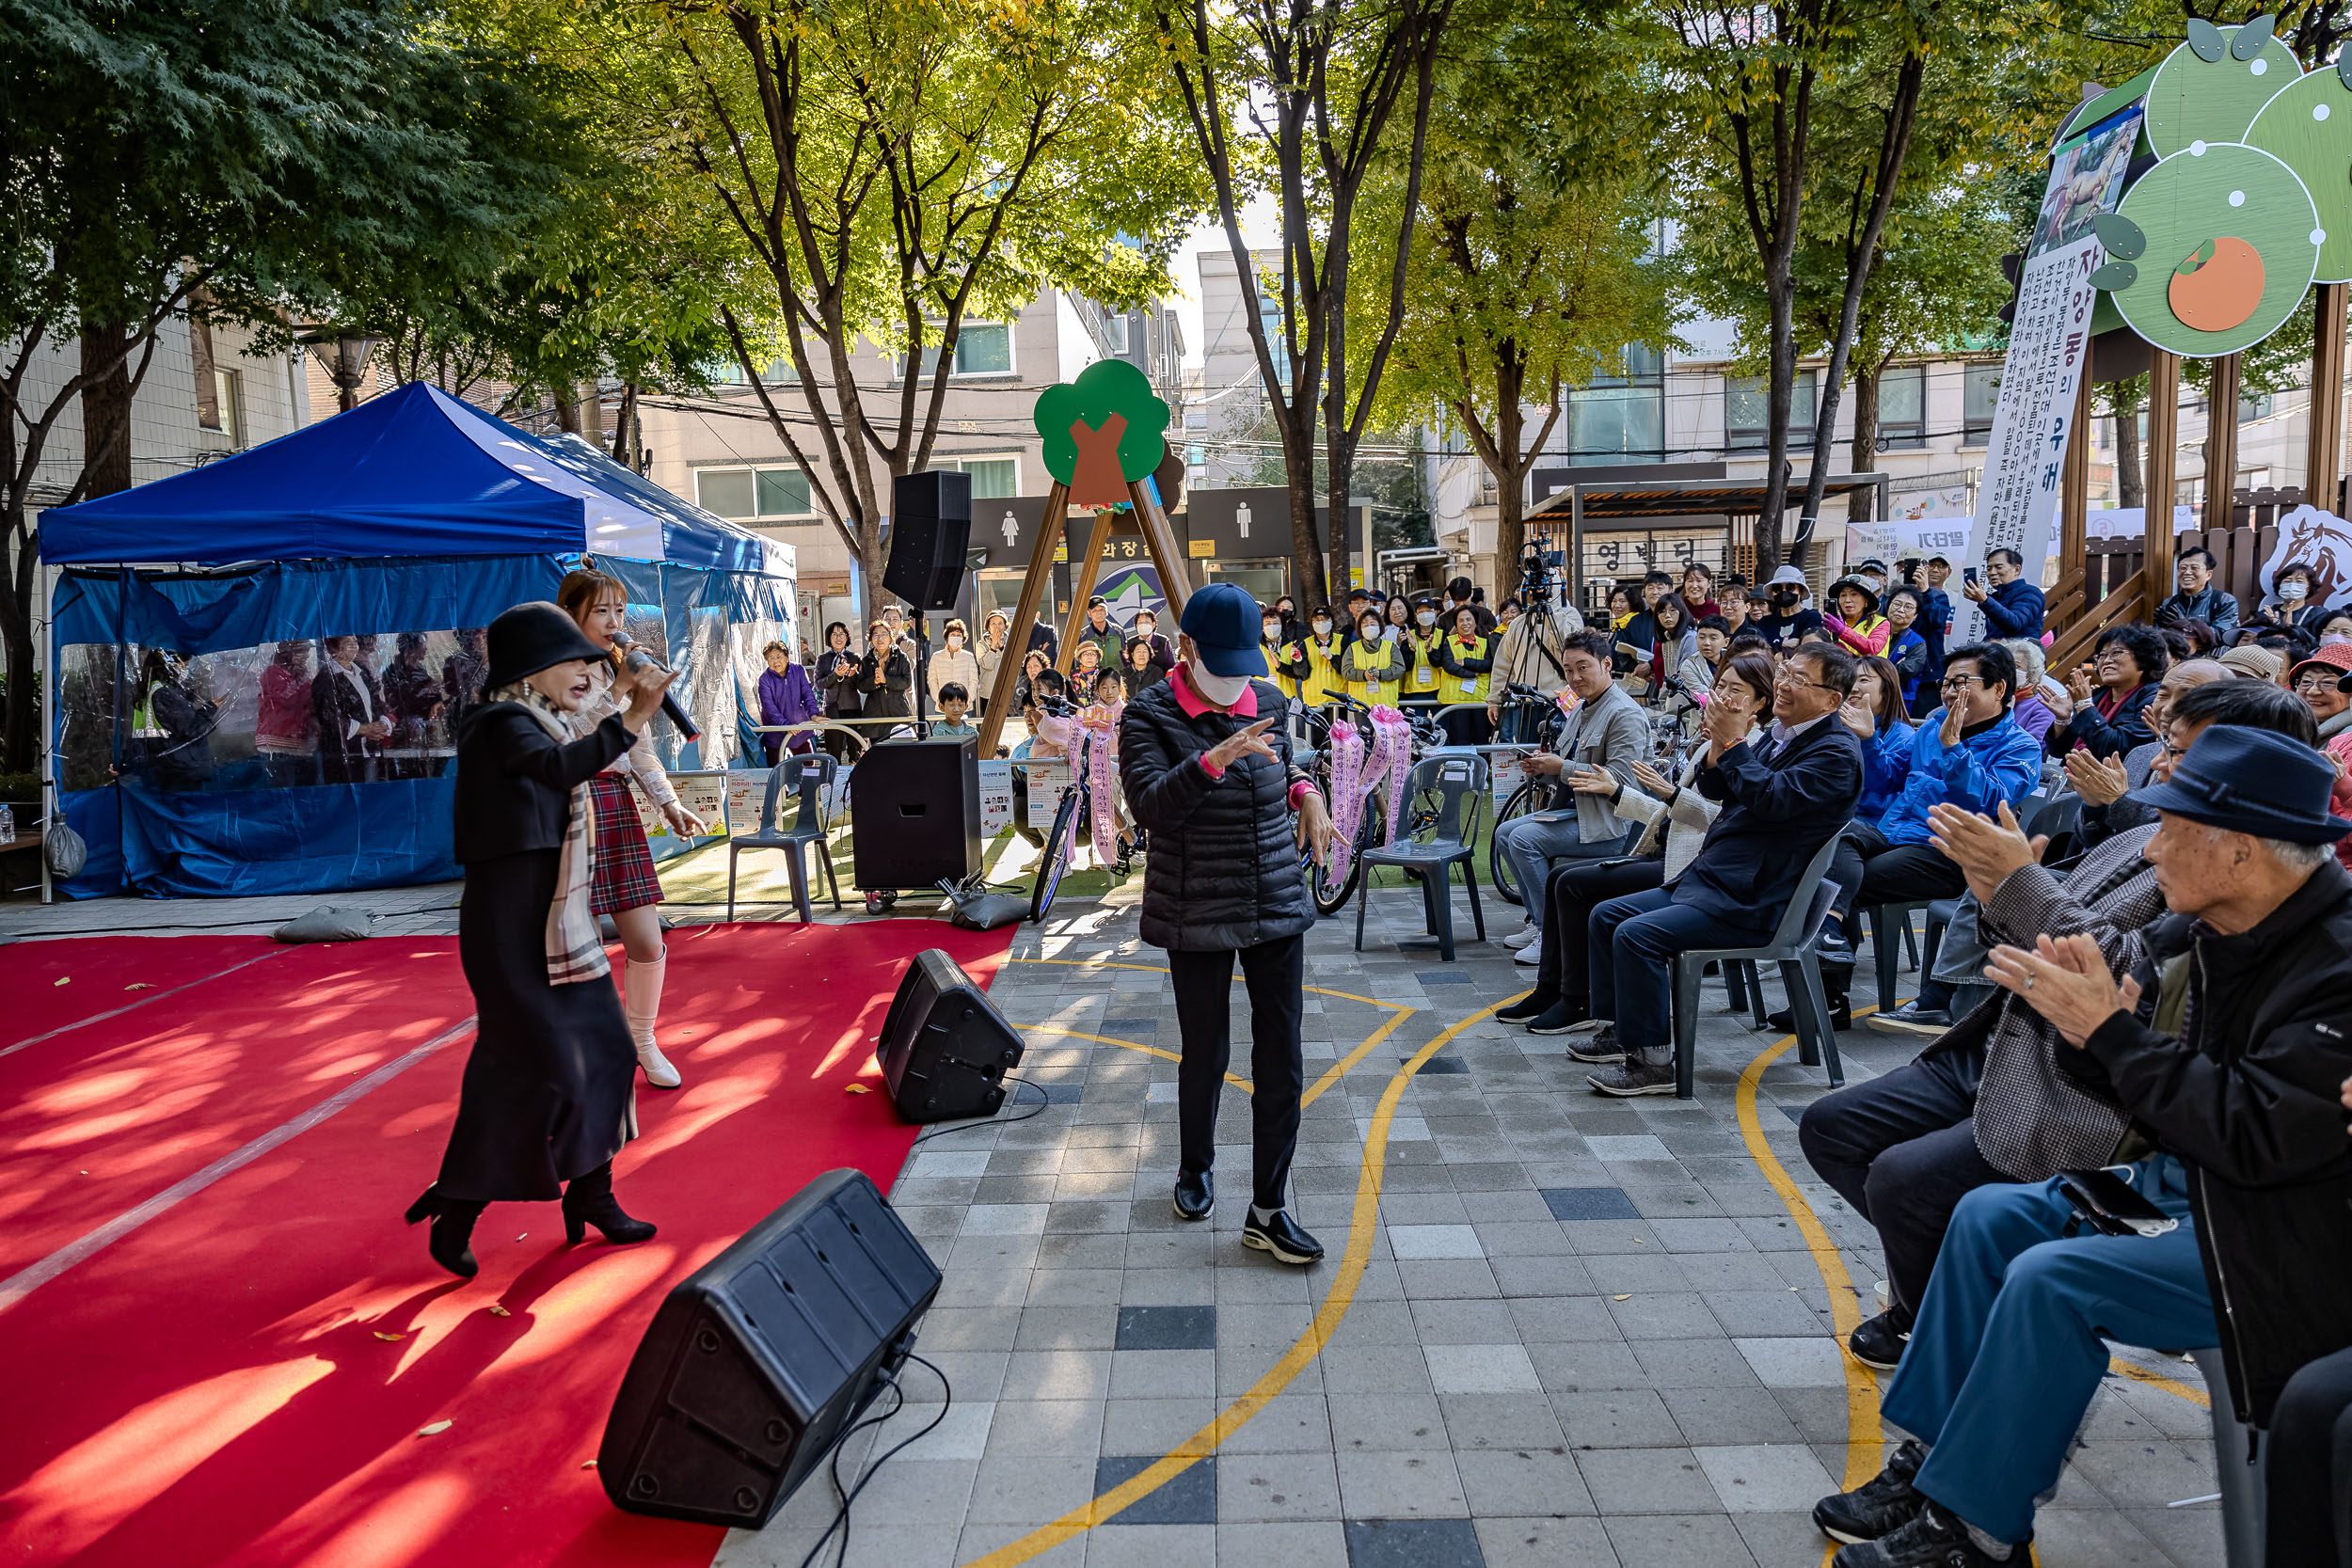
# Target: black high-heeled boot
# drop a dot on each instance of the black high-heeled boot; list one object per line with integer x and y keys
{"x": 451, "y": 1240}
{"x": 588, "y": 1200}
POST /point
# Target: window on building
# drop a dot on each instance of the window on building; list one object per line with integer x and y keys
{"x": 1115, "y": 331}
{"x": 1903, "y": 408}
{"x": 1981, "y": 393}
{"x": 727, "y": 371}
{"x": 982, "y": 348}
{"x": 1270, "y": 319}
{"x": 1747, "y": 412}
{"x": 753, "y": 493}
{"x": 1621, "y": 418}
{"x": 993, "y": 478}
{"x": 229, "y": 405}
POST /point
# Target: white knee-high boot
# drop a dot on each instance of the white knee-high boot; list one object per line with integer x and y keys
{"x": 643, "y": 1003}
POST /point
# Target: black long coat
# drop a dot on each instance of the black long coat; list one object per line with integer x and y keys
{"x": 550, "y": 1088}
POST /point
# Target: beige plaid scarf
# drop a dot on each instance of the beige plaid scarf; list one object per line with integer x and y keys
{"x": 575, "y": 948}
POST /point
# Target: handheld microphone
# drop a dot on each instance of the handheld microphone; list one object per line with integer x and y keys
{"x": 635, "y": 657}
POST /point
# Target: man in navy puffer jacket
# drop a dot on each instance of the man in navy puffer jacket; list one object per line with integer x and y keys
{"x": 1205, "y": 762}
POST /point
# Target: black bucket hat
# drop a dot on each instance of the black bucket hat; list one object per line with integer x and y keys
{"x": 531, "y": 637}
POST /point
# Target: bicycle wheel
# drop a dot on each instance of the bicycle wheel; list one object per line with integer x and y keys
{"x": 1056, "y": 860}
{"x": 1524, "y": 800}
{"x": 1328, "y": 900}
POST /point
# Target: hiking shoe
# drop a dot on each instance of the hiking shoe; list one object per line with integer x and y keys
{"x": 1911, "y": 1019}
{"x": 1281, "y": 1236}
{"x": 1880, "y": 1506}
{"x": 1633, "y": 1076}
{"x": 1878, "y": 1343}
{"x": 1602, "y": 1047}
{"x": 1565, "y": 1015}
{"x": 1530, "y": 1006}
{"x": 1930, "y": 1539}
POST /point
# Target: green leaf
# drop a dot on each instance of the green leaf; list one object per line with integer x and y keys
{"x": 2205, "y": 38}
{"x": 2121, "y": 235}
{"x": 2251, "y": 38}
{"x": 2114, "y": 276}
{"x": 2195, "y": 259}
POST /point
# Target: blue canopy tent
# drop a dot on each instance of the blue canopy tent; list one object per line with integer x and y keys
{"x": 259, "y": 664}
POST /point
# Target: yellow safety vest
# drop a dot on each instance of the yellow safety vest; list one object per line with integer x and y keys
{"x": 1325, "y": 680}
{"x": 1373, "y": 670}
{"x": 1423, "y": 678}
{"x": 1467, "y": 688}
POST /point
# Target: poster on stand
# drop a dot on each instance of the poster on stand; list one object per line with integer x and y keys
{"x": 702, "y": 791}
{"x": 2049, "y": 345}
{"x": 995, "y": 796}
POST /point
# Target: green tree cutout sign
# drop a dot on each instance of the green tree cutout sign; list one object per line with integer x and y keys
{"x": 1101, "y": 432}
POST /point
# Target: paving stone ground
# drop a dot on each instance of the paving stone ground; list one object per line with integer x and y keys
{"x": 1586, "y": 1332}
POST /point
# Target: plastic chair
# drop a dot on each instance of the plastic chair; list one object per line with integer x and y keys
{"x": 1791, "y": 946}
{"x": 2238, "y": 1465}
{"x": 2044, "y": 815}
{"x": 808, "y": 776}
{"x": 1460, "y": 782}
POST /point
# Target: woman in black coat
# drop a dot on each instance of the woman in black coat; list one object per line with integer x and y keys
{"x": 549, "y": 1089}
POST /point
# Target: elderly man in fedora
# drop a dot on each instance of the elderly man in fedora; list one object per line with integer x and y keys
{"x": 2226, "y": 1046}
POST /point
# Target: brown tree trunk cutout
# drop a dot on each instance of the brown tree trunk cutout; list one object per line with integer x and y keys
{"x": 1096, "y": 479}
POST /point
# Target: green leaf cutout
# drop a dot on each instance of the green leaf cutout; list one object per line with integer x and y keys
{"x": 2114, "y": 276}
{"x": 2195, "y": 259}
{"x": 2344, "y": 67}
{"x": 2121, "y": 235}
{"x": 2251, "y": 38}
{"x": 2204, "y": 39}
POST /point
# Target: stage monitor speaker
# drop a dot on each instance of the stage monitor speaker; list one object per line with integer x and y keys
{"x": 914, "y": 814}
{"x": 930, "y": 528}
{"x": 758, "y": 1363}
{"x": 944, "y": 1047}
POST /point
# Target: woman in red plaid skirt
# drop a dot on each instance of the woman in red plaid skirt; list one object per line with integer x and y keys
{"x": 626, "y": 887}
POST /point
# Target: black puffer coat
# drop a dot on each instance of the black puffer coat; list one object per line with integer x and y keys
{"x": 1223, "y": 866}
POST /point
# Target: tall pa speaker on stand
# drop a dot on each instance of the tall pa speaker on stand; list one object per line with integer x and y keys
{"x": 758, "y": 1363}
{"x": 930, "y": 531}
{"x": 944, "y": 1047}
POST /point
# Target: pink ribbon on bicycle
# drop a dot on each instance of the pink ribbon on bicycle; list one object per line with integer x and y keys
{"x": 1102, "y": 724}
{"x": 1347, "y": 798}
{"x": 1392, "y": 760}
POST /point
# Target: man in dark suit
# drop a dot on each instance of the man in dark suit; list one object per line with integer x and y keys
{"x": 1782, "y": 800}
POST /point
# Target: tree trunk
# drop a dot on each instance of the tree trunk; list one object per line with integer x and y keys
{"x": 1510, "y": 479}
{"x": 565, "y": 397}
{"x": 105, "y": 412}
{"x": 1340, "y": 517}
{"x": 1861, "y": 507}
{"x": 2127, "y": 472}
{"x": 626, "y": 441}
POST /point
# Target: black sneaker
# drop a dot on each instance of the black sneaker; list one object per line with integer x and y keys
{"x": 1602, "y": 1047}
{"x": 1567, "y": 1016}
{"x": 1532, "y": 1006}
{"x": 1930, "y": 1539}
{"x": 1879, "y": 1342}
{"x": 1911, "y": 1019}
{"x": 1880, "y": 1506}
{"x": 1633, "y": 1076}
{"x": 1282, "y": 1236}
{"x": 1840, "y": 1016}
{"x": 1196, "y": 1194}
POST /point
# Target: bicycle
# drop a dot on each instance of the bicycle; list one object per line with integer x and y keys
{"x": 1533, "y": 793}
{"x": 1076, "y": 805}
{"x": 1372, "y": 829}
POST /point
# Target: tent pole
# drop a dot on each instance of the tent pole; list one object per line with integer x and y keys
{"x": 1033, "y": 583}
{"x": 51, "y": 799}
{"x": 1082, "y": 590}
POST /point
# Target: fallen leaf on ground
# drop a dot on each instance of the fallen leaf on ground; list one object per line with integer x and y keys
{"x": 390, "y": 1338}
{"x": 590, "y": 1465}
{"x": 498, "y": 1311}
{"x": 65, "y": 980}
{"x": 139, "y": 985}
{"x": 434, "y": 1429}
{"x": 1621, "y": 1298}
{"x": 854, "y": 1088}
{"x": 525, "y": 1236}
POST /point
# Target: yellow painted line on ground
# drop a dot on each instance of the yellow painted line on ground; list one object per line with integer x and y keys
{"x": 1161, "y": 1051}
{"x": 2197, "y": 1397}
{"x": 1362, "y": 1230}
{"x": 1341, "y": 1069}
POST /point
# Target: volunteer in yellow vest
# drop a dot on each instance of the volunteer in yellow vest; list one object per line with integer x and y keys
{"x": 1314, "y": 661}
{"x": 1270, "y": 649}
{"x": 1466, "y": 659}
{"x": 1375, "y": 666}
{"x": 1421, "y": 641}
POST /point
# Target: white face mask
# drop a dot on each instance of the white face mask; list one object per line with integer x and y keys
{"x": 955, "y": 639}
{"x": 1323, "y": 628}
{"x": 2292, "y": 589}
{"x": 2335, "y": 639}
{"x": 1224, "y": 690}
{"x": 1427, "y": 617}
{"x": 1146, "y": 629}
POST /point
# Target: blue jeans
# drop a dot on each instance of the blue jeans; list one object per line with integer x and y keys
{"x": 1531, "y": 843}
{"x": 1632, "y": 943}
{"x": 2007, "y": 1351}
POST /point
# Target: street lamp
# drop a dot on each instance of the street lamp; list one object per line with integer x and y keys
{"x": 345, "y": 356}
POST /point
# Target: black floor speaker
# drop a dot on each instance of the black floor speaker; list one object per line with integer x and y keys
{"x": 914, "y": 814}
{"x": 930, "y": 528}
{"x": 756, "y": 1365}
{"x": 944, "y": 1047}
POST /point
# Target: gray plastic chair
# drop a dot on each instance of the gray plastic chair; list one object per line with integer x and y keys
{"x": 1461, "y": 784}
{"x": 808, "y": 776}
{"x": 2044, "y": 815}
{"x": 2238, "y": 1464}
{"x": 1792, "y": 946}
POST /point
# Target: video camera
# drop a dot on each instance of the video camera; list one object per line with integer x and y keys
{"x": 1536, "y": 575}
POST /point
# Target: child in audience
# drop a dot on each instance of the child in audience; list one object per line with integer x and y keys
{"x": 955, "y": 702}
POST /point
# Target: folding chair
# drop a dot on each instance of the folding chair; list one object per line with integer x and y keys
{"x": 1460, "y": 783}
{"x": 1791, "y": 946}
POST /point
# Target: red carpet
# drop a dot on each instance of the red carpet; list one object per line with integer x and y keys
{"x": 50, "y": 985}
{"x": 217, "y": 1388}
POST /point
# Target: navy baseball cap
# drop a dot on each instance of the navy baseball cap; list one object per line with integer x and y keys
{"x": 2250, "y": 781}
{"x": 1223, "y": 622}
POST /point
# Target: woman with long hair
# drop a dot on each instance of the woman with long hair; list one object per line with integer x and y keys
{"x": 1876, "y": 714}
{"x": 837, "y": 678}
{"x": 549, "y": 1092}
{"x": 625, "y": 886}
{"x": 990, "y": 656}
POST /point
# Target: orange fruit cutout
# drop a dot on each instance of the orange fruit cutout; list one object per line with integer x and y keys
{"x": 2217, "y": 285}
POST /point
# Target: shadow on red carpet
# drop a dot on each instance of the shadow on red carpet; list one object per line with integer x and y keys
{"x": 243, "y": 1379}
